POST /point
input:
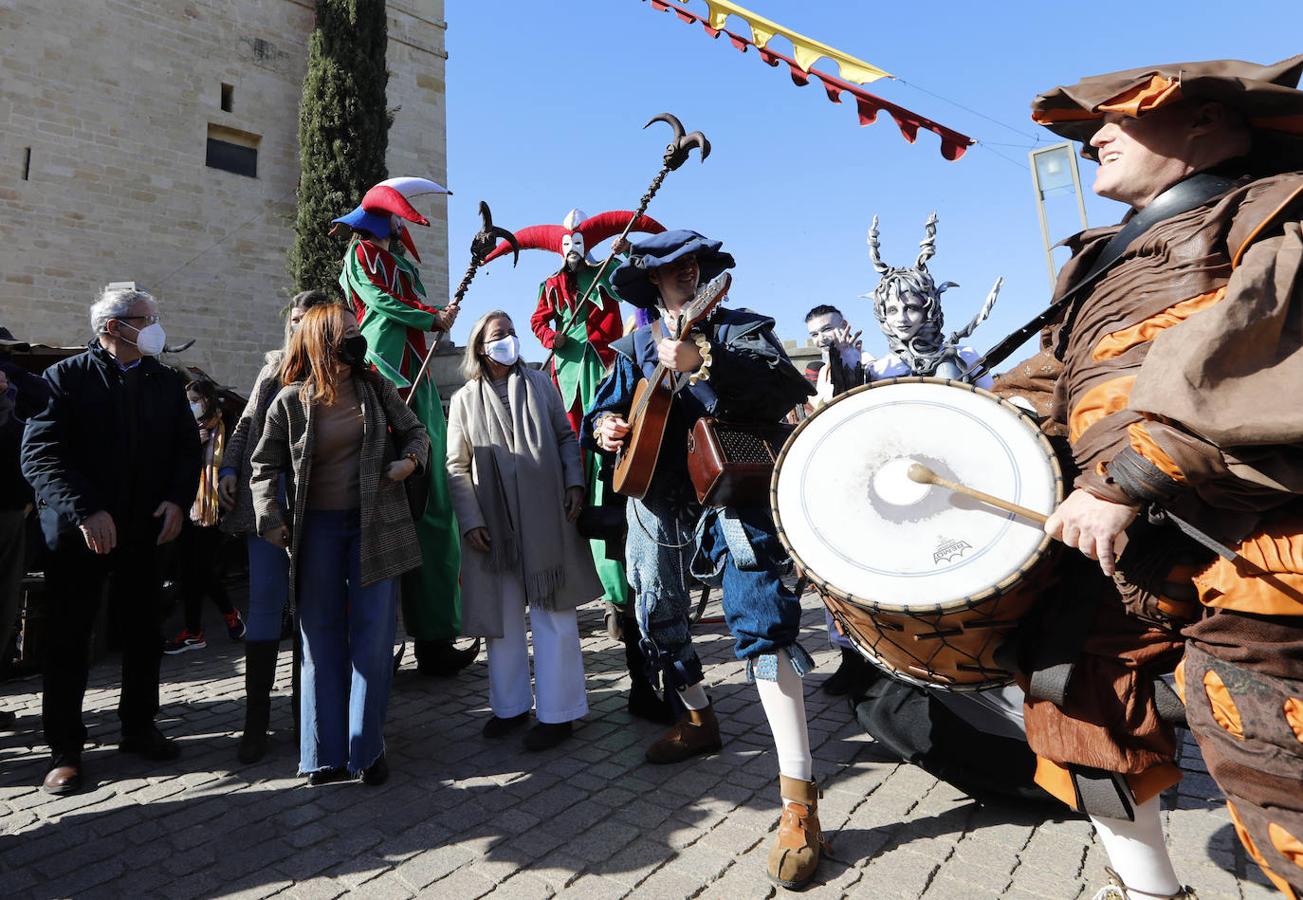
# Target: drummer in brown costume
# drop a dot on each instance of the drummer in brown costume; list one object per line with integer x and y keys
{"x": 1180, "y": 387}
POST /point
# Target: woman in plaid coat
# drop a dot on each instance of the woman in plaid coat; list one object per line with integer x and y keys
{"x": 349, "y": 535}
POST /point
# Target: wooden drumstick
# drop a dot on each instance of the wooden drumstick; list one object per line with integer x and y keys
{"x": 923, "y": 475}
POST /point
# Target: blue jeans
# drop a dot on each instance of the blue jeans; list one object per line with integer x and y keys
{"x": 742, "y": 555}
{"x": 739, "y": 551}
{"x": 658, "y": 555}
{"x": 348, "y": 646}
{"x": 269, "y": 589}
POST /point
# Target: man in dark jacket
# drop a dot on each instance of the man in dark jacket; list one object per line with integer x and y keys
{"x": 114, "y": 460}
{"x": 31, "y": 393}
{"x": 15, "y": 504}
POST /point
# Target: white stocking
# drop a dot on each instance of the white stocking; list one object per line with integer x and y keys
{"x": 784, "y": 703}
{"x": 694, "y": 696}
{"x": 1137, "y": 852}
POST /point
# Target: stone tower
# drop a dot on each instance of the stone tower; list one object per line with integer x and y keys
{"x": 156, "y": 141}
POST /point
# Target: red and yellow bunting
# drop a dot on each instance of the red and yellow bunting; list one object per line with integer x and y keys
{"x": 806, "y": 52}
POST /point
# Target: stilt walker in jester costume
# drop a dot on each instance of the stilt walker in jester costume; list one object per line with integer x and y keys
{"x": 385, "y": 288}
{"x": 580, "y": 336}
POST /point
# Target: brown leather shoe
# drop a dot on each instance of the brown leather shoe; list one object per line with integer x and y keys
{"x": 64, "y": 776}
{"x": 795, "y": 854}
{"x": 696, "y": 732}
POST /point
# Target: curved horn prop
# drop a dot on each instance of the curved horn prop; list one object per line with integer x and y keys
{"x": 928, "y": 246}
{"x": 671, "y": 120}
{"x": 678, "y": 149}
{"x": 488, "y": 236}
{"x": 698, "y": 140}
{"x": 875, "y": 249}
{"x": 482, "y": 244}
{"x": 510, "y": 238}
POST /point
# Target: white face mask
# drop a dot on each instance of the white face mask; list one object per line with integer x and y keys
{"x": 573, "y": 242}
{"x": 150, "y": 340}
{"x": 197, "y": 410}
{"x": 504, "y": 351}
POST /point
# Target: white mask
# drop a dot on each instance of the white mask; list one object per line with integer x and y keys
{"x": 150, "y": 340}
{"x": 504, "y": 351}
{"x": 197, "y": 410}
{"x": 573, "y": 242}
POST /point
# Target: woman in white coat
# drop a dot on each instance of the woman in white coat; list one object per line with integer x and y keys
{"x": 517, "y": 484}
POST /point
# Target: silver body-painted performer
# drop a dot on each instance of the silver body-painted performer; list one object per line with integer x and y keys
{"x": 907, "y": 303}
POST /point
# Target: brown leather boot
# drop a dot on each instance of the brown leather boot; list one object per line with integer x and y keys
{"x": 795, "y": 854}
{"x": 696, "y": 732}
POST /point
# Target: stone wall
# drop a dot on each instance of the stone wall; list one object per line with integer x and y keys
{"x": 105, "y": 112}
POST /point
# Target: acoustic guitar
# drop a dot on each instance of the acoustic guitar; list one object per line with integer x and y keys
{"x": 650, "y": 410}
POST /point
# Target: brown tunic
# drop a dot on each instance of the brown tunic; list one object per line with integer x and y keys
{"x": 1175, "y": 291}
{"x": 1160, "y": 361}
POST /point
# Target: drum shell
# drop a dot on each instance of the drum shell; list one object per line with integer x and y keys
{"x": 950, "y": 645}
{"x": 954, "y": 650}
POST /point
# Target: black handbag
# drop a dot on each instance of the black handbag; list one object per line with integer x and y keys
{"x": 605, "y": 521}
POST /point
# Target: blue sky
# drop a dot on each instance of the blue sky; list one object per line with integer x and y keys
{"x": 546, "y": 101}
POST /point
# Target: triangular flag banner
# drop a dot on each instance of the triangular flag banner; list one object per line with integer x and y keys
{"x": 808, "y": 50}
{"x": 953, "y": 143}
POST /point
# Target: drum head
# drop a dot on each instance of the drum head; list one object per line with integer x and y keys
{"x": 860, "y": 529}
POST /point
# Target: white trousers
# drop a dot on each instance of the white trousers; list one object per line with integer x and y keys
{"x": 558, "y": 693}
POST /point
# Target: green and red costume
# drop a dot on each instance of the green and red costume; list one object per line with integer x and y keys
{"x": 578, "y": 367}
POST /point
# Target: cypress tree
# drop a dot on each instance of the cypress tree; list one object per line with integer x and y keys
{"x": 343, "y": 132}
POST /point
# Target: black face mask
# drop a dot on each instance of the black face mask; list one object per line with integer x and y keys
{"x": 352, "y": 352}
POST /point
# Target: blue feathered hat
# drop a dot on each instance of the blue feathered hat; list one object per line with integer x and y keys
{"x": 630, "y": 279}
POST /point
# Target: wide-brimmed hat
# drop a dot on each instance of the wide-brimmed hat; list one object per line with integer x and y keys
{"x": 630, "y": 279}
{"x": 1267, "y": 96}
{"x": 377, "y": 224}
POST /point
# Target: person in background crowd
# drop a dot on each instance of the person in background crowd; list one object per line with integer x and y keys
{"x": 15, "y": 504}
{"x": 32, "y": 391}
{"x": 517, "y": 482}
{"x": 269, "y": 567}
{"x": 349, "y": 532}
{"x": 114, "y": 459}
{"x": 200, "y": 546}
{"x": 838, "y": 342}
{"x": 24, "y": 395}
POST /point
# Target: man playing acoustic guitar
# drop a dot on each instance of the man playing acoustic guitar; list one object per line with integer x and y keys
{"x": 733, "y": 368}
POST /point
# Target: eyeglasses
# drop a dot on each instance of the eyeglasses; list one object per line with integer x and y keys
{"x": 149, "y": 320}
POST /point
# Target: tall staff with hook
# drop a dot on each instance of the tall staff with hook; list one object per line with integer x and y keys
{"x": 676, "y": 154}
{"x": 481, "y": 245}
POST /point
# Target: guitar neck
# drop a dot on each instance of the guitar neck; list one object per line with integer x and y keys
{"x": 654, "y": 381}
{"x": 696, "y": 311}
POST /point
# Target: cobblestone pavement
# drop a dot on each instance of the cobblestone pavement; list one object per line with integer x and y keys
{"x": 461, "y": 818}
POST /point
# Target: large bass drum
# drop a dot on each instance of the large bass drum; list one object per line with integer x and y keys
{"x": 926, "y": 583}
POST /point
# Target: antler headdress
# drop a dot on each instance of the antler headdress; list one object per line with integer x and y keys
{"x": 925, "y": 347}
